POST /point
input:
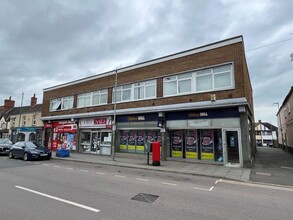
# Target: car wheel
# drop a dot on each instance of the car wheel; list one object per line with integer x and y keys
{"x": 25, "y": 157}
{"x": 10, "y": 155}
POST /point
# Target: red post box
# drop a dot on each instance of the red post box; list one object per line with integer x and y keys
{"x": 156, "y": 153}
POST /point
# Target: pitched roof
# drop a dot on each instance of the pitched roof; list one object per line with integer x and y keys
{"x": 267, "y": 125}
{"x": 23, "y": 110}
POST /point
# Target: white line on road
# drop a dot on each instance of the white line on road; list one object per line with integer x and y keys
{"x": 120, "y": 176}
{"x": 258, "y": 185}
{"x": 57, "y": 166}
{"x": 69, "y": 168}
{"x": 59, "y": 199}
{"x": 170, "y": 184}
{"x": 217, "y": 181}
{"x": 289, "y": 168}
{"x": 86, "y": 171}
{"x": 100, "y": 173}
{"x": 263, "y": 174}
{"x": 140, "y": 179}
{"x": 209, "y": 190}
{"x": 45, "y": 164}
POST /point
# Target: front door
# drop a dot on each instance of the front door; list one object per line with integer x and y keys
{"x": 232, "y": 147}
{"x": 95, "y": 142}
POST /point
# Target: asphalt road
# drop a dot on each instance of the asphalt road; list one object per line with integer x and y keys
{"x": 58, "y": 189}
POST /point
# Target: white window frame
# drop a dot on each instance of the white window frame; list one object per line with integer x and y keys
{"x": 90, "y": 96}
{"x": 63, "y": 103}
{"x": 195, "y": 75}
{"x": 121, "y": 91}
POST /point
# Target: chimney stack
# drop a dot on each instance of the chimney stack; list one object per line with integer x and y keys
{"x": 8, "y": 103}
{"x": 33, "y": 101}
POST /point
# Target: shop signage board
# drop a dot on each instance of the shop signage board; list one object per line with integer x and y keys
{"x": 95, "y": 123}
{"x": 207, "y": 144}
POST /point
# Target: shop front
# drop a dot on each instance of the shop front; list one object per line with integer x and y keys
{"x": 135, "y": 130}
{"x": 207, "y": 135}
{"x": 27, "y": 134}
{"x": 95, "y": 136}
{"x": 61, "y": 135}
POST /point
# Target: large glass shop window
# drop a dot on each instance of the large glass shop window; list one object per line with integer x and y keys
{"x": 132, "y": 141}
{"x": 177, "y": 144}
{"x": 207, "y": 144}
{"x": 191, "y": 144}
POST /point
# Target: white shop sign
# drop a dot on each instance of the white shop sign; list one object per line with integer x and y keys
{"x": 95, "y": 123}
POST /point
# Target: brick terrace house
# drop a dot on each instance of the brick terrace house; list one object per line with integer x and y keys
{"x": 8, "y": 104}
{"x": 197, "y": 103}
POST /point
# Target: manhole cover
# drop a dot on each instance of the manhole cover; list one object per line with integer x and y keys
{"x": 143, "y": 197}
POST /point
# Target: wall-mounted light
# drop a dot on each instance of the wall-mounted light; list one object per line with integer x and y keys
{"x": 213, "y": 97}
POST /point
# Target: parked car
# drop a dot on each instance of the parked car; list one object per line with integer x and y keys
{"x": 5, "y": 145}
{"x": 28, "y": 150}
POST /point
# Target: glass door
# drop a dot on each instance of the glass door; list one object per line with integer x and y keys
{"x": 95, "y": 142}
{"x": 232, "y": 147}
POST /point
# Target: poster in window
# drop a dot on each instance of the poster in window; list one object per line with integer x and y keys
{"x": 207, "y": 144}
{"x": 150, "y": 137}
{"x": 140, "y": 142}
{"x": 177, "y": 143}
{"x": 123, "y": 141}
{"x": 191, "y": 144}
{"x": 131, "y": 141}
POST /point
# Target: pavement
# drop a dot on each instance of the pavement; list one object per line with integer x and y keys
{"x": 271, "y": 166}
{"x": 182, "y": 167}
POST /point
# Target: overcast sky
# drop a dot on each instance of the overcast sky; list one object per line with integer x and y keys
{"x": 44, "y": 43}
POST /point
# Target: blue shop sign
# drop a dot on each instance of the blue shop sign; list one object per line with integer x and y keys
{"x": 203, "y": 114}
{"x": 138, "y": 118}
{"x": 26, "y": 129}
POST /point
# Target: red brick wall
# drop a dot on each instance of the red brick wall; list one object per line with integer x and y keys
{"x": 232, "y": 53}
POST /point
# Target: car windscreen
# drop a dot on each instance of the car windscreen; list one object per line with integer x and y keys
{"x": 30, "y": 145}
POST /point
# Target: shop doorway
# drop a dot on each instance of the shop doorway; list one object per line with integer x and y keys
{"x": 232, "y": 147}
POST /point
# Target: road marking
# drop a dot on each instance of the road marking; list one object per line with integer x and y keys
{"x": 57, "y": 166}
{"x": 289, "y": 168}
{"x": 140, "y": 179}
{"x": 45, "y": 164}
{"x": 69, "y": 168}
{"x": 100, "y": 173}
{"x": 258, "y": 185}
{"x": 120, "y": 176}
{"x": 209, "y": 190}
{"x": 217, "y": 181}
{"x": 263, "y": 174}
{"x": 86, "y": 171}
{"x": 170, "y": 184}
{"x": 59, "y": 199}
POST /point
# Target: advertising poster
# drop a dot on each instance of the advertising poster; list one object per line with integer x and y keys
{"x": 140, "y": 142}
{"x": 191, "y": 144}
{"x": 177, "y": 144}
{"x": 207, "y": 144}
{"x": 150, "y": 136}
{"x": 123, "y": 141}
{"x": 131, "y": 141}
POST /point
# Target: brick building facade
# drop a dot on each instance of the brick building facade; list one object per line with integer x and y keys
{"x": 197, "y": 103}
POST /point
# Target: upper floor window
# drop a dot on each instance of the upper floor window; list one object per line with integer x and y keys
{"x": 216, "y": 78}
{"x": 34, "y": 121}
{"x": 92, "y": 98}
{"x": 23, "y": 120}
{"x": 136, "y": 91}
{"x": 61, "y": 103}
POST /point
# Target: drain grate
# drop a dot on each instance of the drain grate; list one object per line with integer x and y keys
{"x": 144, "y": 197}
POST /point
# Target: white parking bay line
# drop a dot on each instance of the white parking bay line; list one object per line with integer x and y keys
{"x": 289, "y": 168}
{"x": 69, "y": 168}
{"x": 100, "y": 173}
{"x": 59, "y": 199}
{"x": 263, "y": 174}
{"x": 120, "y": 176}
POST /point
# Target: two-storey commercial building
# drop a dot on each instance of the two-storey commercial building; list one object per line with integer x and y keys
{"x": 198, "y": 104}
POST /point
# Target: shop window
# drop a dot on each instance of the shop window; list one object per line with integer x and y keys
{"x": 32, "y": 137}
{"x": 20, "y": 137}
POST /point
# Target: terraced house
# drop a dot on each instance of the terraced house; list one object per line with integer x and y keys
{"x": 197, "y": 103}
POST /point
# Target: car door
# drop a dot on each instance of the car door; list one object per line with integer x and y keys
{"x": 19, "y": 150}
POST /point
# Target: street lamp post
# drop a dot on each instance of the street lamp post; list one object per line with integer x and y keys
{"x": 114, "y": 118}
{"x": 281, "y": 129}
